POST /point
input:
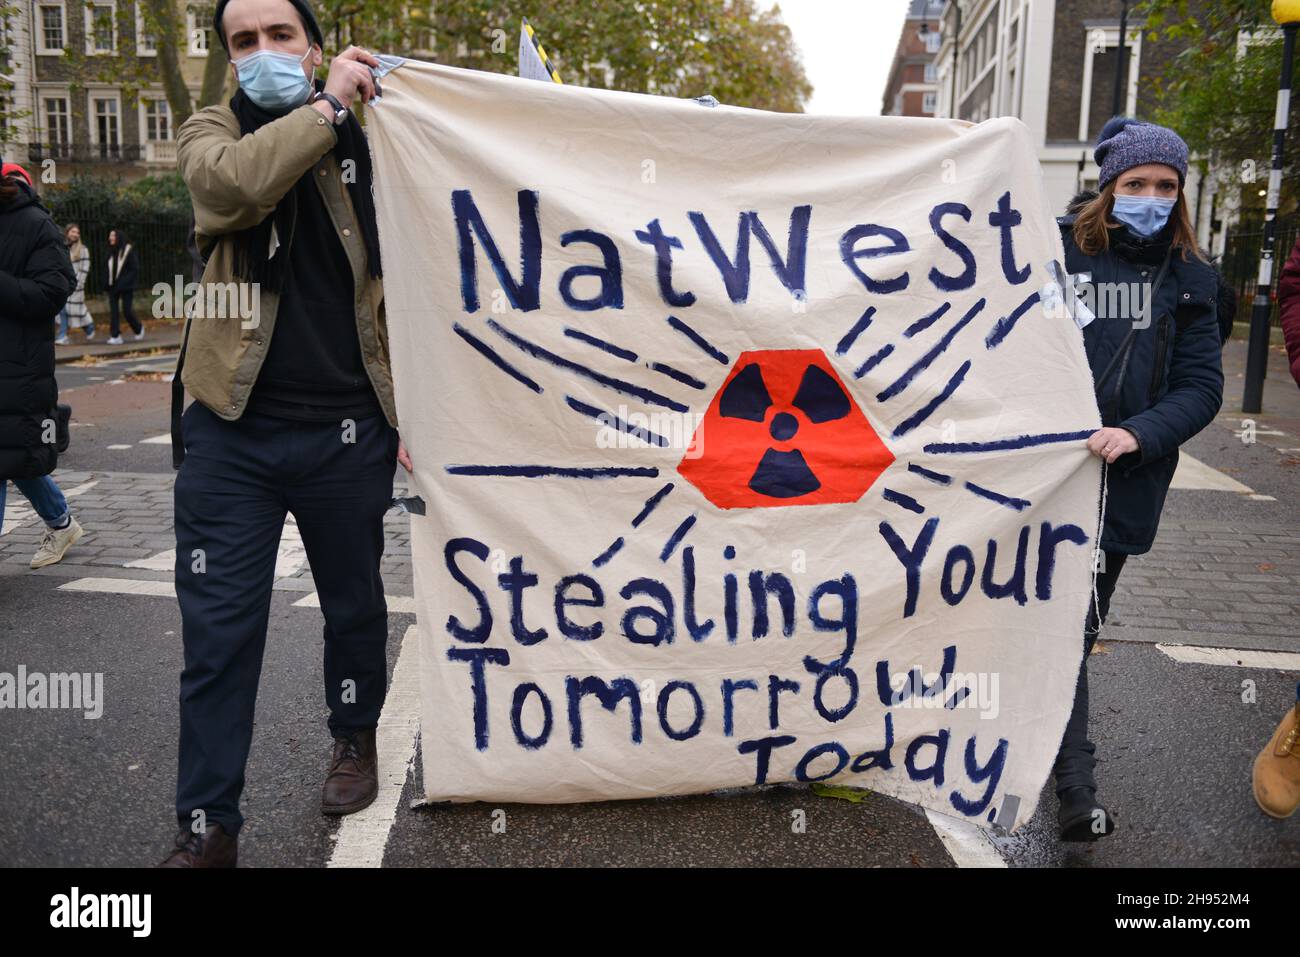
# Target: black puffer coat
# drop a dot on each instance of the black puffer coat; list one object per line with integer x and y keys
{"x": 1160, "y": 379}
{"x": 35, "y": 280}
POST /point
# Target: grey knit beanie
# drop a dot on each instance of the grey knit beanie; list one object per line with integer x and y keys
{"x": 1125, "y": 142}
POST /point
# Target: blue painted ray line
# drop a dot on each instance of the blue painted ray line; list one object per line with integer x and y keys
{"x": 670, "y": 546}
{"x": 664, "y": 369}
{"x": 1004, "y": 325}
{"x": 898, "y": 498}
{"x": 614, "y": 422}
{"x": 717, "y": 354}
{"x": 487, "y": 352}
{"x": 873, "y": 361}
{"x": 618, "y": 385}
{"x": 851, "y": 336}
{"x": 925, "y": 322}
{"x": 601, "y": 344}
{"x": 936, "y": 350}
{"x": 551, "y": 471}
{"x": 608, "y": 553}
{"x": 1001, "y": 445}
{"x": 1019, "y": 504}
{"x": 924, "y": 472}
{"x": 651, "y": 503}
{"x": 923, "y": 413}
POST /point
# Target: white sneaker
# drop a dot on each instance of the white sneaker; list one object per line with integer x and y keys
{"x": 56, "y": 542}
{"x": 90, "y": 332}
{"x": 139, "y": 335}
{"x": 63, "y": 341}
{"x": 113, "y": 341}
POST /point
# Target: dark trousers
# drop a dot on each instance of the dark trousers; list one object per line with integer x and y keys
{"x": 122, "y": 300}
{"x": 238, "y": 481}
{"x": 1076, "y": 758}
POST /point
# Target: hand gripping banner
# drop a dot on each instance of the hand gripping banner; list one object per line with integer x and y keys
{"x": 749, "y": 449}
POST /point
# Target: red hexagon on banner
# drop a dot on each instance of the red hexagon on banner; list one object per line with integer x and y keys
{"x": 784, "y": 430}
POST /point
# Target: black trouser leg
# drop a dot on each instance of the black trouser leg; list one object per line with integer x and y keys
{"x": 229, "y": 516}
{"x": 1076, "y": 758}
{"x": 114, "y": 328}
{"x": 339, "y": 505}
{"x": 127, "y": 309}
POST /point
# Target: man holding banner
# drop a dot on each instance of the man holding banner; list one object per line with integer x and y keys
{"x": 294, "y": 411}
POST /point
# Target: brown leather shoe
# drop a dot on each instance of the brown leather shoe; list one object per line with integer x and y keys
{"x": 353, "y": 781}
{"x": 216, "y": 848}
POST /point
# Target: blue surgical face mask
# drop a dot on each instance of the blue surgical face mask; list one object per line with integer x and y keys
{"x": 274, "y": 80}
{"x": 1144, "y": 215}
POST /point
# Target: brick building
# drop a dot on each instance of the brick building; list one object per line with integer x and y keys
{"x": 86, "y": 86}
{"x": 912, "y": 86}
{"x": 1052, "y": 63}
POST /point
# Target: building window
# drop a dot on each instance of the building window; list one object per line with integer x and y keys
{"x": 931, "y": 73}
{"x": 58, "y": 124}
{"x": 146, "y": 43}
{"x": 932, "y": 41}
{"x": 198, "y": 27}
{"x": 157, "y": 120}
{"x": 51, "y": 36}
{"x": 106, "y": 128}
{"x": 101, "y": 29}
{"x": 929, "y": 103}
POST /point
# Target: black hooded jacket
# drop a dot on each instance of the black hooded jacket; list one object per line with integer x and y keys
{"x": 1158, "y": 375}
{"x": 35, "y": 280}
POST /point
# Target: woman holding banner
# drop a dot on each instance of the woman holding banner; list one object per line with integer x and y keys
{"x": 1153, "y": 347}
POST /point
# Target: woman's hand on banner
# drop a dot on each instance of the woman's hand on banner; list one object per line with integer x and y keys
{"x": 403, "y": 456}
{"x": 1110, "y": 444}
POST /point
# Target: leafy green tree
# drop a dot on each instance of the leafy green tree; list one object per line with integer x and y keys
{"x": 9, "y": 114}
{"x": 1220, "y": 91}
{"x": 736, "y": 50}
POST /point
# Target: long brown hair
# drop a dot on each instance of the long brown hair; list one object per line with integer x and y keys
{"x": 1092, "y": 224}
{"x": 74, "y": 249}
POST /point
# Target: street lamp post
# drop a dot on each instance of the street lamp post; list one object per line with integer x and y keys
{"x": 1121, "y": 58}
{"x": 1287, "y": 14}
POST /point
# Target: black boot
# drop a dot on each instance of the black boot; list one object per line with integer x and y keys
{"x": 1081, "y": 817}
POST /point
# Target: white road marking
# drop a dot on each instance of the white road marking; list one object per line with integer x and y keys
{"x": 968, "y": 844}
{"x": 363, "y": 836}
{"x": 121, "y": 586}
{"x": 81, "y": 489}
{"x": 161, "y": 562}
{"x": 1256, "y": 497}
{"x": 1192, "y": 473}
{"x": 1232, "y": 657}
{"x": 397, "y": 604}
{"x": 291, "y": 555}
{"x": 164, "y": 439}
{"x": 117, "y": 448}
{"x": 15, "y": 515}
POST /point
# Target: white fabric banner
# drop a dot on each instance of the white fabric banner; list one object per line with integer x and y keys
{"x": 750, "y": 450}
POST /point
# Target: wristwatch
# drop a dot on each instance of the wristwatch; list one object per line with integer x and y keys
{"x": 340, "y": 111}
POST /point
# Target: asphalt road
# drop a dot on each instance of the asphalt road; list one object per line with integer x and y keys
{"x": 1176, "y": 739}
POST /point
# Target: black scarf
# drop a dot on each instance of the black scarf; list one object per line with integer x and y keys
{"x": 251, "y": 245}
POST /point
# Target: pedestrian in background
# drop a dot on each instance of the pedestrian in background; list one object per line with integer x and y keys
{"x": 35, "y": 280}
{"x": 1158, "y": 376}
{"x": 123, "y": 270}
{"x": 75, "y": 312}
{"x": 1288, "y": 302}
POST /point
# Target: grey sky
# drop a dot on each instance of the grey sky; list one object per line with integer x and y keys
{"x": 847, "y": 47}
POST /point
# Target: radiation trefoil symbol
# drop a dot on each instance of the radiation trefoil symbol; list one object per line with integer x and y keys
{"x": 783, "y": 430}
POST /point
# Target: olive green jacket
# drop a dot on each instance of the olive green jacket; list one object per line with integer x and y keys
{"x": 235, "y": 182}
